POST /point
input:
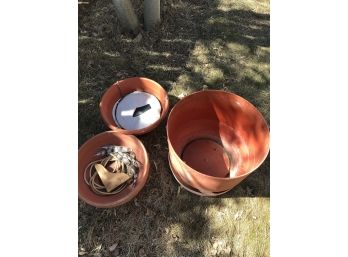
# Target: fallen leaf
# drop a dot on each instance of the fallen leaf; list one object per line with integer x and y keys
{"x": 213, "y": 252}
{"x": 249, "y": 191}
{"x": 98, "y": 248}
{"x": 138, "y": 38}
{"x": 238, "y": 215}
{"x": 113, "y": 247}
{"x": 182, "y": 95}
{"x": 116, "y": 252}
{"x": 228, "y": 250}
{"x": 149, "y": 212}
{"x": 178, "y": 192}
{"x": 136, "y": 202}
{"x": 176, "y": 237}
{"x": 142, "y": 252}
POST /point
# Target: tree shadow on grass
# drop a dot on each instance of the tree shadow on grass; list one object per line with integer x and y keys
{"x": 199, "y": 43}
{"x": 195, "y": 46}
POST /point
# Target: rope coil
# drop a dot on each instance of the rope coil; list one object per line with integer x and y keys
{"x": 123, "y": 161}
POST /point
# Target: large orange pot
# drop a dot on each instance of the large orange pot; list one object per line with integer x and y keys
{"x": 122, "y": 88}
{"x": 87, "y": 154}
{"x": 216, "y": 139}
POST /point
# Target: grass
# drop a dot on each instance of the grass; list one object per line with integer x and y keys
{"x": 200, "y": 44}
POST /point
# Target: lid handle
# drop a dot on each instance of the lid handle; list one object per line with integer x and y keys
{"x": 140, "y": 110}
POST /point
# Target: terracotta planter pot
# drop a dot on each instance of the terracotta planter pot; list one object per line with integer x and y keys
{"x": 216, "y": 139}
{"x": 124, "y": 87}
{"x": 87, "y": 154}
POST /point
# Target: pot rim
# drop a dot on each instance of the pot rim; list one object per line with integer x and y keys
{"x": 113, "y": 126}
{"x": 200, "y": 173}
{"x": 135, "y": 191}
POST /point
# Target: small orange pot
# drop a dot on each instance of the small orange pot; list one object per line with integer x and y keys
{"x": 127, "y": 86}
{"x": 87, "y": 154}
{"x": 216, "y": 139}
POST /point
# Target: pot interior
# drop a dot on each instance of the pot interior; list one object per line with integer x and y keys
{"x": 218, "y": 134}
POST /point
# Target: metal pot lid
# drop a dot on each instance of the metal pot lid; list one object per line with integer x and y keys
{"x": 136, "y": 110}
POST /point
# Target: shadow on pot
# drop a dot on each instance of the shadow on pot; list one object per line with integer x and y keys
{"x": 216, "y": 139}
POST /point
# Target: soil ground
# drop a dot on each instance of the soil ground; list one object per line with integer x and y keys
{"x": 199, "y": 44}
